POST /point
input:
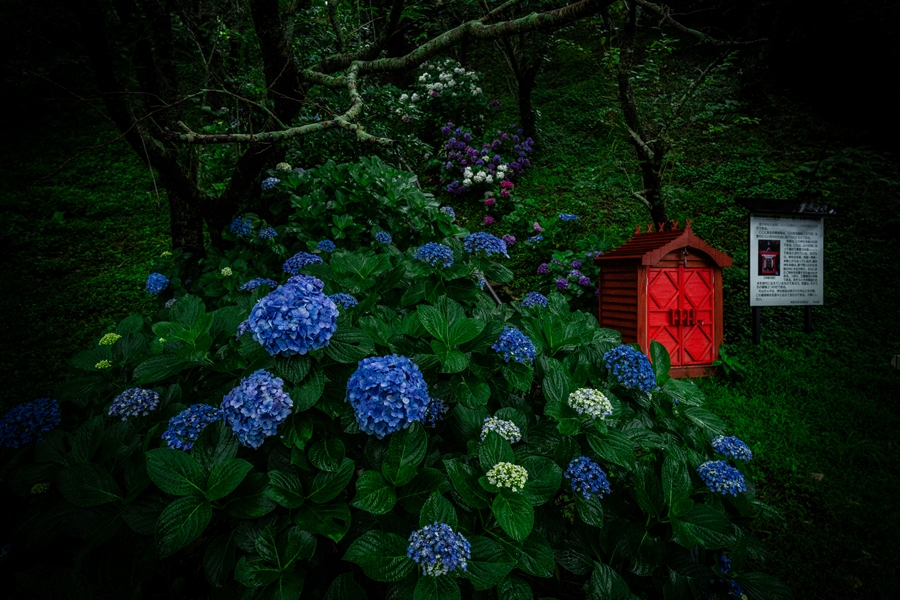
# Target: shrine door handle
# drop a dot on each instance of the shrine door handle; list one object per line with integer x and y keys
{"x": 693, "y": 313}
{"x": 674, "y": 315}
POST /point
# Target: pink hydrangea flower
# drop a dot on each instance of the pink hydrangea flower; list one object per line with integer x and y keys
{"x": 489, "y": 220}
{"x": 489, "y": 202}
{"x": 537, "y": 227}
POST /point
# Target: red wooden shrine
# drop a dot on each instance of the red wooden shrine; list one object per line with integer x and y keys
{"x": 666, "y": 286}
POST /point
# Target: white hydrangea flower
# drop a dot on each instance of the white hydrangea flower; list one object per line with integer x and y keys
{"x": 508, "y": 475}
{"x": 404, "y": 97}
{"x": 467, "y": 172}
{"x": 227, "y": 272}
{"x": 451, "y": 83}
{"x": 423, "y": 77}
{"x": 478, "y": 90}
{"x": 489, "y": 179}
{"x": 415, "y": 98}
{"x": 591, "y": 403}
{"x": 467, "y": 182}
{"x": 505, "y": 429}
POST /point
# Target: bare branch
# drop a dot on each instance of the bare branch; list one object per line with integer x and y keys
{"x": 640, "y": 142}
{"x": 335, "y": 63}
{"x": 665, "y": 13}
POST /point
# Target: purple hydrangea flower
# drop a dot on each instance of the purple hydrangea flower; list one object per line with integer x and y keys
{"x": 584, "y": 281}
{"x": 186, "y": 426}
{"x": 256, "y": 407}
{"x": 542, "y": 268}
{"x": 134, "y": 402}
{"x": 561, "y": 284}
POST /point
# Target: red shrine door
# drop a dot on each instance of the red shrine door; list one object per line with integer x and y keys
{"x": 680, "y": 313}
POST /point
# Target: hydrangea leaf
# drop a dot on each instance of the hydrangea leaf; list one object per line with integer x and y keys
{"x": 181, "y": 523}
{"x": 288, "y": 586}
{"x": 129, "y": 347}
{"x": 497, "y": 272}
{"x": 88, "y": 484}
{"x": 306, "y": 395}
{"x": 702, "y": 525}
{"x": 648, "y": 489}
{"x": 436, "y": 588}
{"x": 514, "y": 514}
{"x": 374, "y": 494}
{"x": 452, "y": 361}
{"x": 686, "y": 392}
{"x": 331, "y": 520}
{"x": 466, "y": 422}
{"x": 217, "y": 443}
{"x": 438, "y": 509}
{"x": 325, "y": 486}
{"x": 225, "y": 477}
{"x": 249, "y": 501}
{"x": 285, "y": 489}
{"x": 327, "y": 454}
{"x": 606, "y": 584}
{"x": 219, "y": 559}
{"x": 759, "y": 586}
{"x": 344, "y": 588}
{"x": 434, "y": 322}
{"x": 175, "y": 472}
{"x": 292, "y": 368}
{"x": 381, "y": 555}
{"x": 544, "y": 479}
{"x": 488, "y": 564}
{"x": 157, "y": 368}
{"x": 465, "y": 330}
{"x": 406, "y": 451}
{"x": 471, "y": 392}
{"x": 661, "y": 361}
{"x": 88, "y": 438}
{"x": 295, "y": 544}
{"x": 494, "y": 449}
{"x": 705, "y": 419}
{"x": 255, "y": 573}
{"x": 187, "y": 311}
{"x": 556, "y": 384}
{"x": 574, "y": 559}
{"x": 590, "y": 510}
{"x": 426, "y": 481}
{"x": 519, "y": 375}
{"x": 130, "y": 324}
{"x": 676, "y": 482}
{"x": 614, "y": 447}
{"x": 465, "y": 482}
{"x": 534, "y": 556}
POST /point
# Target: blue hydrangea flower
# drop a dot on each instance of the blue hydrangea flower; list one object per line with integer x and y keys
{"x": 513, "y": 344}
{"x": 255, "y": 283}
{"x": 535, "y": 298}
{"x": 383, "y": 237}
{"x": 326, "y": 246}
{"x": 186, "y": 426}
{"x": 732, "y": 447}
{"x": 734, "y": 588}
{"x": 435, "y": 412}
{"x": 631, "y": 367}
{"x": 439, "y": 550}
{"x": 435, "y": 254}
{"x": 269, "y": 183}
{"x": 721, "y": 477}
{"x": 27, "y": 422}
{"x": 134, "y": 402}
{"x": 307, "y": 280}
{"x": 268, "y": 233}
{"x": 483, "y": 242}
{"x": 300, "y": 260}
{"x": 344, "y": 300}
{"x": 255, "y": 408}
{"x": 587, "y": 478}
{"x": 536, "y": 238}
{"x": 567, "y": 217}
{"x": 156, "y": 283}
{"x": 242, "y": 226}
{"x": 448, "y": 210}
{"x": 293, "y": 319}
{"x": 387, "y": 393}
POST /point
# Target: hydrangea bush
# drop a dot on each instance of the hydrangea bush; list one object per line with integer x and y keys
{"x": 427, "y": 443}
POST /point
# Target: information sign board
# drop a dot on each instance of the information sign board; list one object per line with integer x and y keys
{"x": 787, "y": 261}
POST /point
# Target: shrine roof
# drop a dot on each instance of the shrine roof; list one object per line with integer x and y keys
{"x": 651, "y": 247}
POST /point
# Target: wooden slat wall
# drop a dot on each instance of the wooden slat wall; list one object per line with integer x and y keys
{"x": 676, "y": 258}
{"x": 618, "y": 299}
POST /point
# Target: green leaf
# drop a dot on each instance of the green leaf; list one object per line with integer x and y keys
{"x": 181, "y": 523}
{"x": 175, "y": 472}
{"x": 702, "y": 525}
{"x": 514, "y": 514}
{"x": 488, "y": 564}
{"x": 759, "y": 586}
{"x": 295, "y": 544}
{"x": 497, "y": 272}
{"x": 187, "y": 311}
{"x": 130, "y": 324}
{"x": 142, "y": 514}
{"x": 648, "y": 489}
{"x": 452, "y": 361}
{"x": 606, "y": 584}
{"x": 590, "y": 510}
{"x": 661, "y": 361}
{"x": 306, "y": 396}
{"x": 557, "y": 385}
{"x": 465, "y": 330}
{"x": 535, "y": 556}
{"x": 381, "y": 555}
{"x": 287, "y": 587}
{"x": 349, "y": 345}
{"x": 434, "y": 322}
{"x": 218, "y": 559}
{"x": 544, "y": 479}
{"x": 249, "y": 500}
{"x": 465, "y": 481}
{"x": 88, "y": 484}
{"x": 344, "y": 588}
{"x": 216, "y": 444}
{"x": 471, "y": 392}
{"x": 88, "y": 438}
{"x": 406, "y": 451}
{"x": 255, "y": 573}
{"x": 157, "y": 368}
{"x": 436, "y": 588}
{"x": 494, "y": 449}
{"x": 685, "y": 391}
{"x": 285, "y": 489}
{"x": 706, "y": 420}
{"x": 676, "y": 482}
{"x": 325, "y": 486}
{"x": 514, "y": 588}
{"x": 330, "y": 520}
{"x": 437, "y": 508}
{"x": 328, "y": 454}
{"x": 519, "y": 375}
{"x": 374, "y": 494}
{"x": 292, "y": 368}
{"x": 614, "y": 447}
{"x": 225, "y": 477}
